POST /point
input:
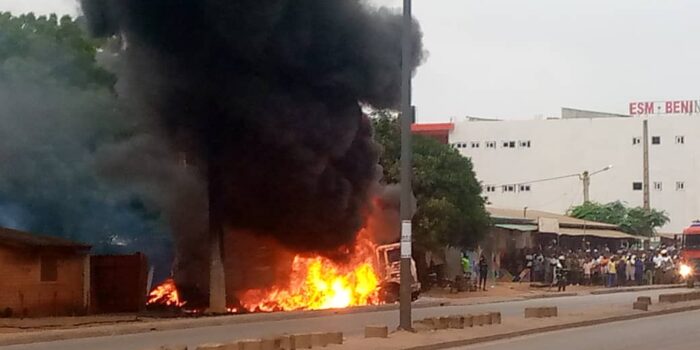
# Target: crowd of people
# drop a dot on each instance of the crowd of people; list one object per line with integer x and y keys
{"x": 600, "y": 267}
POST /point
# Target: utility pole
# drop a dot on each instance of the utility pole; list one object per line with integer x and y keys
{"x": 645, "y": 186}
{"x": 586, "y": 178}
{"x": 406, "y": 281}
{"x": 217, "y": 275}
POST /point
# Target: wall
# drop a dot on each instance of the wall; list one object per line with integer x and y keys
{"x": 571, "y": 146}
{"x": 22, "y": 289}
{"x": 118, "y": 283}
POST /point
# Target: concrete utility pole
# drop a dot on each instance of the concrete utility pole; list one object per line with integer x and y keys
{"x": 586, "y": 178}
{"x": 645, "y": 186}
{"x": 217, "y": 276}
{"x": 406, "y": 171}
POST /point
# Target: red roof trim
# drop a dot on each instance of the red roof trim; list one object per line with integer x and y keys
{"x": 433, "y": 127}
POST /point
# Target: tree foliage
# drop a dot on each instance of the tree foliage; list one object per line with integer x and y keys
{"x": 49, "y": 49}
{"x": 450, "y": 208}
{"x": 633, "y": 220}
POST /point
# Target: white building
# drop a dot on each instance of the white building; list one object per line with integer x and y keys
{"x": 535, "y": 163}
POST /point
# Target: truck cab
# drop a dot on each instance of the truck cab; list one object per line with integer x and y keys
{"x": 689, "y": 269}
{"x": 389, "y": 265}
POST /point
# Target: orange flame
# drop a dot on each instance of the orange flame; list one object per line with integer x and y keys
{"x": 318, "y": 283}
{"x": 166, "y": 294}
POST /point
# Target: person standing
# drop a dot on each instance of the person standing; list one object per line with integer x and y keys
{"x": 621, "y": 271}
{"x": 562, "y": 272}
{"x": 630, "y": 269}
{"x": 466, "y": 266}
{"x": 638, "y": 271}
{"x": 483, "y": 273}
{"x": 587, "y": 272}
{"x": 612, "y": 272}
{"x": 649, "y": 267}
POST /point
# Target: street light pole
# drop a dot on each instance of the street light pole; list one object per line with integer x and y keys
{"x": 406, "y": 277}
{"x": 586, "y": 179}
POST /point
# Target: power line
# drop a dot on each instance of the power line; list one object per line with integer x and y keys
{"x": 540, "y": 180}
{"x": 579, "y": 175}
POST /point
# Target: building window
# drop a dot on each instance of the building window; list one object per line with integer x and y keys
{"x": 475, "y": 145}
{"x": 490, "y": 188}
{"x": 658, "y": 186}
{"x": 490, "y": 144}
{"x": 508, "y": 188}
{"x": 49, "y": 269}
{"x": 524, "y": 144}
{"x": 636, "y": 140}
{"x": 656, "y": 140}
{"x": 637, "y": 186}
{"x": 680, "y": 140}
{"x": 524, "y": 188}
{"x": 508, "y": 144}
{"x": 680, "y": 185}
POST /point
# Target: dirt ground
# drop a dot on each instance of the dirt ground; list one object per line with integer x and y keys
{"x": 507, "y": 289}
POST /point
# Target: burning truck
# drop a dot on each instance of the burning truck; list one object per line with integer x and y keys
{"x": 370, "y": 277}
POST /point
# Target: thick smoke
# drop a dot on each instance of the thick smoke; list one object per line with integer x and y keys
{"x": 263, "y": 98}
{"x": 54, "y": 117}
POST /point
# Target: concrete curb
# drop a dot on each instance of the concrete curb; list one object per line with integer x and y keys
{"x": 553, "y": 328}
{"x": 637, "y": 289}
{"x": 186, "y": 323}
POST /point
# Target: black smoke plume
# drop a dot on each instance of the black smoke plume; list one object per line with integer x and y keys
{"x": 263, "y": 97}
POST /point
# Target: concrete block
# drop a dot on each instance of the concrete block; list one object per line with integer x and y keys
{"x": 285, "y": 342}
{"x": 250, "y": 344}
{"x": 300, "y": 341}
{"x": 638, "y": 305}
{"x": 423, "y": 326}
{"x": 211, "y": 347}
{"x": 533, "y": 312}
{"x": 335, "y": 338}
{"x": 376, "y": 331}
{"x": 646, "y": 300}
{"x": 495, "y": 318}
{"x": 668, "y": 298}
{"x": 319, "y": 340}
{"x": 468, "y": 321}
{"x": 541, "y": 312}
{"x": 478, "y": 320}
{"x": 456, "y": 322}
{"x": 271, "y": 343}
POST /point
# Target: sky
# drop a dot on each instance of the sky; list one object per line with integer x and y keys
{"x": 516, "y": 59}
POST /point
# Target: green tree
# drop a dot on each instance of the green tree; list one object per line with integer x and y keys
{"x": 450, "y": 208}
{"x": 633, "y": 220}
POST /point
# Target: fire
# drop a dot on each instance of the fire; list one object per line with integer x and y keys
{"x": 317, "y": 283}
{"x": 166, "y": 294}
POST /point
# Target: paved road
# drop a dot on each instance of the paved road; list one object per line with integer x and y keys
{"x": 351, "y": 324}
{"x": 670, "y": 332}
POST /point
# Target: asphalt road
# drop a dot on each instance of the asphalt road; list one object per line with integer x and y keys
{"x": 351, "y": 324}
{"x": 671, "y": 332}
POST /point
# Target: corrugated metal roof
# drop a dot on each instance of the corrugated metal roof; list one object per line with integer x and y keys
{"x": 536, "y": 214}
{"x": 16, "y": 237}
{"x": 596, "y": 233}
{"x": 516, "y": 227}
